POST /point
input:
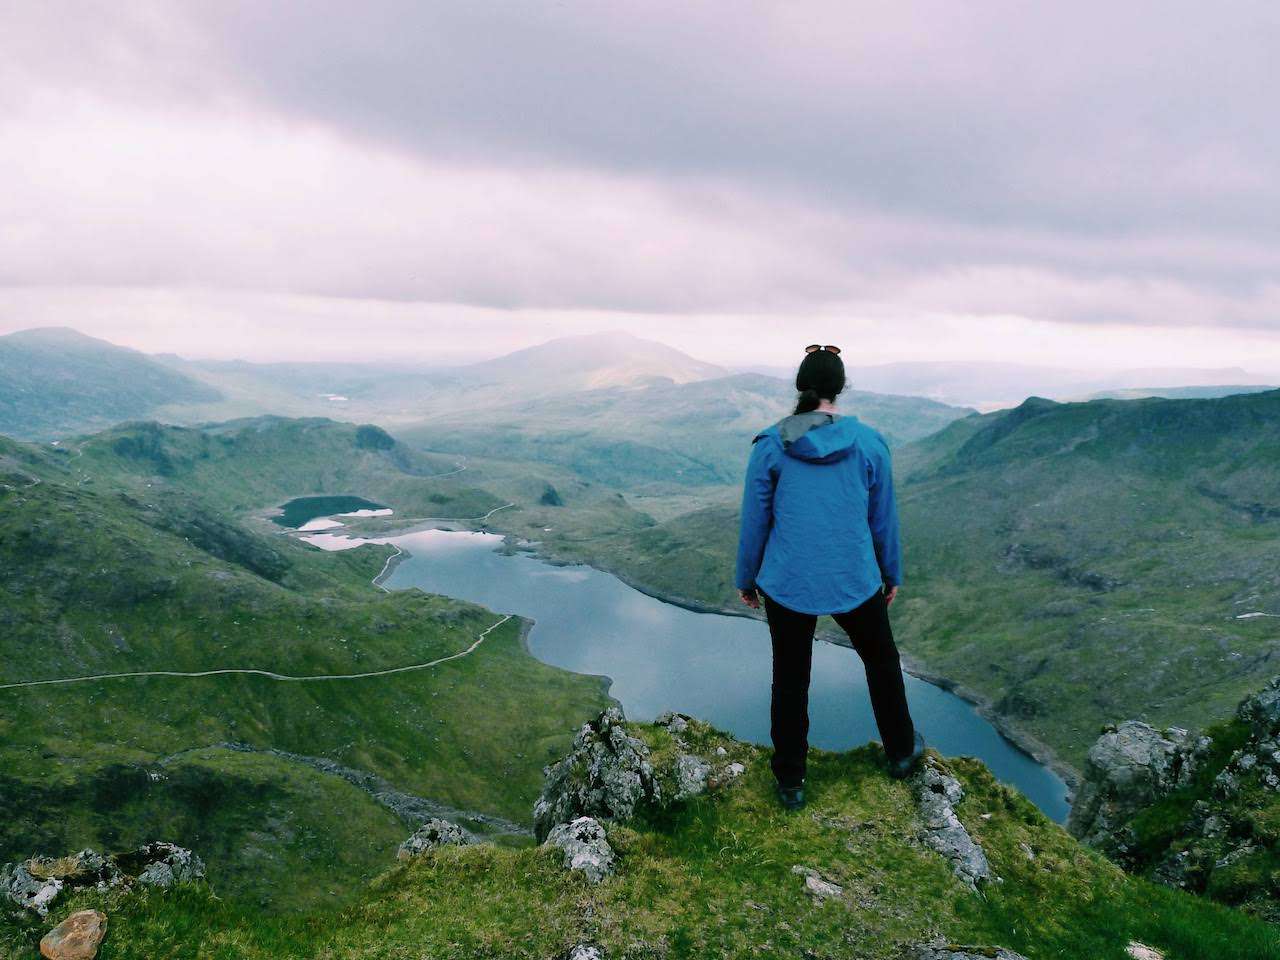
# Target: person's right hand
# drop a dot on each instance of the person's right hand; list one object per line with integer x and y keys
{"x": 751, "y": 598}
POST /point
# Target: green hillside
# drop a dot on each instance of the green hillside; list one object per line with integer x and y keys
{"x": 103, "y": 570}
{"x": 1072, "y": 564}
{"x": 665, "y": 435}
{"x": 255, "y": 465}
{"x": 720, "y": 876}
{"x": 55, "y": 382}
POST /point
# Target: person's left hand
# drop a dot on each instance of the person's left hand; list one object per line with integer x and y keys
{"x": 751, "y": 598}
{"x": 890, "y": 594}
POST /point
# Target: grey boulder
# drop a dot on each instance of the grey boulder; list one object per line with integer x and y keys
{"x": 432, "y": 834}
{"x": 585, "y": 846}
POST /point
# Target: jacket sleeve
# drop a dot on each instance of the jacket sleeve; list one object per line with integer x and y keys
{"x": 882, "y": 514}
{"x": 757, "y": 512}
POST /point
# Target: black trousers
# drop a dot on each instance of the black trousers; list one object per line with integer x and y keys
{"x": 792, "y": 634}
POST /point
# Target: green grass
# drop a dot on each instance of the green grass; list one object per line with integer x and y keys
{"x": 713, "y": 879}
{"x": 112, "y": 576}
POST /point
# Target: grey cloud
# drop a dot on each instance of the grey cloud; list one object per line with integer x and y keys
{"x": 882, "y": 151}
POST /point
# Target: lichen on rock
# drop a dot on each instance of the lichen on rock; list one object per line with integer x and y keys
{"x": 432, "y": 834}
{"x": 1130, "y": 766}
{"x": 586, "y": 848}
{"x": 606, "y": 774}
{"x": 35, "y": 884}
{"x": 937, "y": 793}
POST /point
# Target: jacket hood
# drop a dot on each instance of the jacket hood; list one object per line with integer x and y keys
{"x": 817, "y": 437}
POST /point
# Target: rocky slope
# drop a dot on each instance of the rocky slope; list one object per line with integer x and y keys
{"x": 664, "y": 841}
{"x": 1196, "y": 812}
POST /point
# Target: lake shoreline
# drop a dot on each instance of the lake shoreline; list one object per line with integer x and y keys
{"x": 1026, "y": 742}
{"x": 1022, "y": 740}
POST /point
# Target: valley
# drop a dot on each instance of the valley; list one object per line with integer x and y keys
{"x": 249, "y": 696}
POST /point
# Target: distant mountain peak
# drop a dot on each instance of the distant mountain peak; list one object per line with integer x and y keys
{"x": 611, "y": 358}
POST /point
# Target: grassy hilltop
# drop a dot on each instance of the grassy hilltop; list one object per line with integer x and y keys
{"x": 123, "y": 559}
{"x": 714, "y": 878}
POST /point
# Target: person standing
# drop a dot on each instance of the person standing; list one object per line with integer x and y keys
{"x": 819, "y": 536}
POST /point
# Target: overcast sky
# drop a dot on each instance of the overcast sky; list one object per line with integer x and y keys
{"x": 1089, "y": 184}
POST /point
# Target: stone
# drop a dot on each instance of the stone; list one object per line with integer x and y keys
{"x": 1262, "y": 710}
{"x": 29, "y": 892}
{"x": 691, "y": 773}
{"x": 1128, "y": 768}
{"x": 818, "y": 886}
{"x": 584, "y": 951}
{"x": 36, "y": 883}
{"x": 674, "y": 722}
{"x": 607, "y": 774}
{"x": 432, "y": 834}
{"x": 586, "y": 849}
{"x": 1140, "y": 951}
{"x": 75, "y": 938}
{"x": 940, "y": 950}
{"x": 167, "y": 864}
{"x": 937, "y": 793}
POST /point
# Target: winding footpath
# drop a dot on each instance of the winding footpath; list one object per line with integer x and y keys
{"x": 270, "y": 675}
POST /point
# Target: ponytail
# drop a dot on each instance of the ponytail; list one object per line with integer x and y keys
{"x": 808, "y": 400}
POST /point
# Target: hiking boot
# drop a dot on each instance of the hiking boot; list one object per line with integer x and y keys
{"x": 791, "y": 798}
{"x": 901, "y": 768}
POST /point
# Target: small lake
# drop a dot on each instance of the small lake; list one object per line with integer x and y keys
{"x": 302, "y": 511}
{"x": 663, "y": 657}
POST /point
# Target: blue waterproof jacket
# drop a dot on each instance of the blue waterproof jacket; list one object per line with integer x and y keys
{"x": 819, "y": 523}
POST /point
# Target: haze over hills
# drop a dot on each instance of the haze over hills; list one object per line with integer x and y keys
{"x": 587, "y": 362}
{"x": 696, "y": 433}
{"x": 989, "y": 386}
{"x": 55, "y": 381}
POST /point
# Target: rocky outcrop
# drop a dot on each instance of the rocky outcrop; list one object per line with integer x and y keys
{"x": 937, "y": 793}
{"x": 35, "y": 884}
{"x": 432, "y": 834}
{"x": 1226, "y": 799}
{"x": 1128, "y": 768}
{"x": 75, "y": 938}
{"x": 610, "y": 774}
{"x": 606, "y": 774}
{"x": 586, "y": 849}
{"x": 166, "y": 864}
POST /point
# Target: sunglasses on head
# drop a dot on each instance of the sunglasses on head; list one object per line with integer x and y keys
{"x": 815, "y": 347}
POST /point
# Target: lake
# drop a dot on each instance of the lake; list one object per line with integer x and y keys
{"x": 304, "y": 510}
{"x": 663, "y": 657}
